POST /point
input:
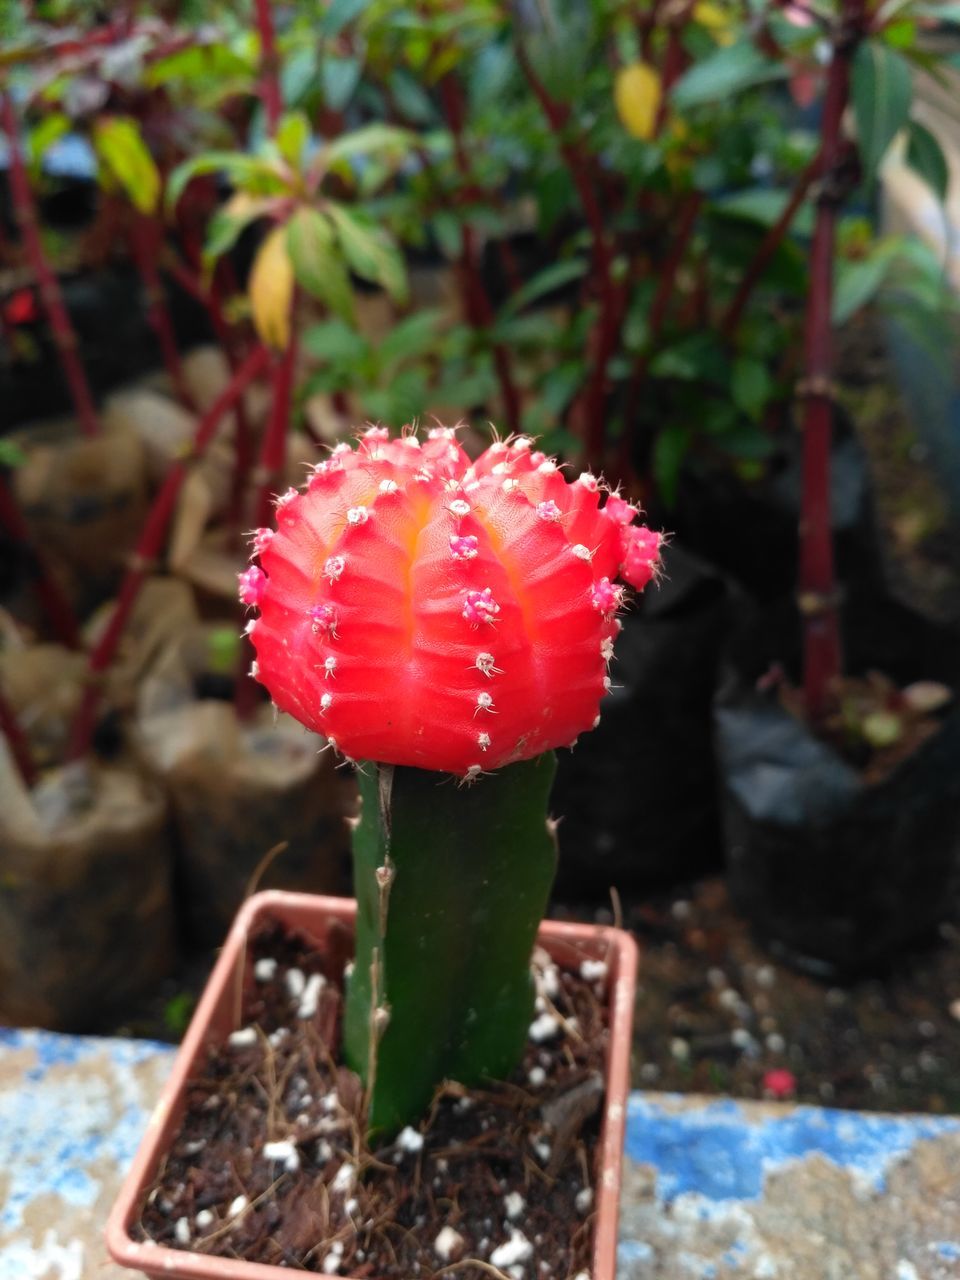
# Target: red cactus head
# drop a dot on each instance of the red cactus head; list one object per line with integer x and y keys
{"x": 420, "y": 610}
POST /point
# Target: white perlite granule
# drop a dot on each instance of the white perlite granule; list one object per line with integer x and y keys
{"x": 265, "y": 970}
{"x": 517, "y": 1249}
{"x": 243, "y": 1038}
{"x": 331, "y": 1262}
{"x": 593, "y": 970}
{"x": 408, "y": 1139}
{"x": 237, "y": 1206}
{"x": 285, "y": 1152}
{"x": 294, "y": 982}
{"x": 514, "y": 1204}
{"x": 311, "y": 995}
{"x": 543, "y": 1028}
{"x": 448, "y": 1245}
{"x": 344, "y": 1178}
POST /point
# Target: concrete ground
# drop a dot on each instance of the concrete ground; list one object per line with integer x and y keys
{"x": 713, "y": 1190}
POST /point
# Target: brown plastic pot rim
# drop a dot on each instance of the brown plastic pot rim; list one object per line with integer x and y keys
{"x": 616, "y": 946}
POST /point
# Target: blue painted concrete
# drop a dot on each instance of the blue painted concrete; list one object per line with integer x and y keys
{"x": 72, "y": 1111}
{"x": 720, "y": 1154}
{"x": 70, "y": 157}
{"x": 53, "y": 1129}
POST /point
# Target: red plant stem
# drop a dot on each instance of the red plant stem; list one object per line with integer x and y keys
{"x": 246, "y": 691}
{"x": 666, "y": 286}
{"x": 668, "y": 276}
{"x": 611, "y": 298}
{"x": 269, "y": 66}
{"x": 148, "y": 548}
{"x": 66, "y": 48}
{"x": 822, "y": 656}
{"x": 480, "y": 310}
{"x": 242, "y": 436}
{"x": 60, "y": 327}
{"x": 768, "y": 247}
{"x": 55, "y": 604}
{"x": 578, "y": 164}
{"x": 18, "y": 742}
{"x": 269, "y": 474}
{"x": 674, "y": 60}
{"x": 146, "y": 239}
{"x": 273, "y": 451}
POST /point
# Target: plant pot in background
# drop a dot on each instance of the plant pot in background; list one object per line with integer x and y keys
{"x": 43, "y": 684}
{"x": 327, "y": 922}
{"x": 86, "y": 907}
{"x": 636, "y": 798}
{"x": 238, "y": 789}
{"x": 837, "y": 874}
{"x": 749, "y": 530}
{"x": 85, "y": 501}
{"x": 115, "y": 340}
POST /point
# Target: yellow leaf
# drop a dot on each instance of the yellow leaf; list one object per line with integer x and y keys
{"x": 716, "y": 19}
{"x": 637, "y": 94}
{"x": 242, "y": 205}
{"x": 126, "y": 160}
{"x": 271, "y": 290}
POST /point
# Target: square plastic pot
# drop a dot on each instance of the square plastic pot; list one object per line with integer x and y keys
{"x": 217, "y": 1016}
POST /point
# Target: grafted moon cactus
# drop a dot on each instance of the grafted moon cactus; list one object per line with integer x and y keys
{"x": 430, "y": 616}
{"x": 420, "y": 610}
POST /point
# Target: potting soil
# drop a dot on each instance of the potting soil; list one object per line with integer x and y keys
{"x": 270, "y": 1163}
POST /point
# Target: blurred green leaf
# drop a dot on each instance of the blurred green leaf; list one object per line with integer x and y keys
{"x": 561, "y": 385}
{"x": 448, "y": 233}
{"x": 925, "y": 156}
{"x": 671, "y": 448}
{"x": 938, "y": 10}
{"x": 317, "y": 264}
{"x": 400, "y": 403}
{"x": 43, "y": 136}
{"x": 340, "y": 13}
{"x": 293, "y": 134}
{"x": 555, "y": 196}
{"x": 223, "y": 651}
{"x": 697, "y": 357}
{"x": 764, "y": 206}
{"x": 339, "y": 78}
{"x": 881, "y": 88}
{"x": 198, "y": 65}
{"x": 727, "y": 71}
{"x": 535, "y": 329}
{"x": 121, "y": 149}
{"x": 546, "y": 281}
{"x": 228, "y": 224}
{"x": 298, "y": 73}
{"x": 369, "y": 251}
{"x": 370, "y": 140}
{"x": 901, "y": 34}
{"x": 856, "y": 283}
{"x": 11, "y": 455}
{"x": 177, "y": 1013}
{"x": 246, "y": 172}
{"x": 413, "y": 336}
{"x": 335, "y": 342}
{"x": 413, "y": 102}
{"x": 751, "y": 386}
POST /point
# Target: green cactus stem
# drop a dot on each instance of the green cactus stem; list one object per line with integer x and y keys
{"x": 451, "y": 883}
